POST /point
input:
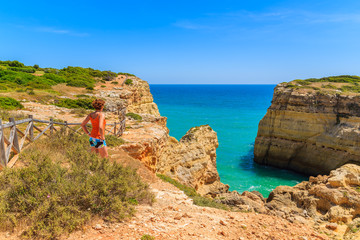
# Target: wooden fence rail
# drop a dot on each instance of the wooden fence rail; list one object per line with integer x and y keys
{"x": 13, "y": 145}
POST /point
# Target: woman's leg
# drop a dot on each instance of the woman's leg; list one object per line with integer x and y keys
{"x": 95, "y": 150}
{"x": 103, "y": 152}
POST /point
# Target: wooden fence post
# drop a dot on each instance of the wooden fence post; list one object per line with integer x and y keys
{"x": 115, "y": 129}
{"x": 2, "y": 146}
{"x": 65, "y": 127}
{"x": 14, "y": 141}
{"x": 51, "y": 126}
{"x": 31, "y": 131}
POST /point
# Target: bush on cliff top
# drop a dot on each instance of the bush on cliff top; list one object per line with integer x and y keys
{"x": 63, "y": 186}
{"x": 337, "y": 79}
{"x": 84, "y": 103}
{"x": 134, "y": 116}
{"x": 9, "y": 103}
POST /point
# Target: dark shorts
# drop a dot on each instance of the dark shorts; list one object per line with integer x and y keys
{"x": 97, "y": 143}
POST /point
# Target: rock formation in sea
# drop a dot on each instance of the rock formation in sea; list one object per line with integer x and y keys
{"x": 191, "y": 161}
{"x": 309, "y": 131}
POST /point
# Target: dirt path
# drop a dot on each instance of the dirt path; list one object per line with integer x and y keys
{"x": 174, "y": 216}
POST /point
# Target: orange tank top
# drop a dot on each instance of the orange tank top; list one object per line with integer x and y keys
{"x": 95, "y": 122}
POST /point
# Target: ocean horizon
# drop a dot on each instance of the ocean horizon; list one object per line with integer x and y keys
{"x": 234, "y": 112}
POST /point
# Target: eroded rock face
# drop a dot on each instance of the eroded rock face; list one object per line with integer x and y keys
{"x": 136, "y": 97}
{"x": 146, "y": 140}
{"x": 309, "y": 132}
{"x": 139, "y": 99}
{"x": 247, "y": 201}
{"x": 192, "y": 161}
{"x": 333, "y": 198}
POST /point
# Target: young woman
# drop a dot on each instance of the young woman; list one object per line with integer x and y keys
{"x": 97, "y": 135}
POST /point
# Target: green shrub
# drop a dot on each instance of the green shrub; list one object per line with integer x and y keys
{"x": 75, "y": 103}
{"x": 113, "y": 141}
{"x": 128, "y": 74}
{"x": 129, "y": 82}
{"x": 355, "y": 88}
{"x": 103, "y": 86}
{"x": 328, "y": 86}
{"x": 191, "y": 192}
{"x": 302, "y": 82}
{"x": 63, "y": 186}
{"x": 82, "y": 96}
{"x": 114, "y": 83}
{"x": 12, "y": 63}
{"x": 134, "y": 116}
{"x": 10, "y": 103}
{"x": 3, "y": 88}
{"x": 147, "y": 237}
{"x": 22, "y": 69}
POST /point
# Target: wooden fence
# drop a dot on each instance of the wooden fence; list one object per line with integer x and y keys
{"x": 13, "y": 145}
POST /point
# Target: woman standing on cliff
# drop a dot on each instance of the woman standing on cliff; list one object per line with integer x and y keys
{"x": 98, "y": 122}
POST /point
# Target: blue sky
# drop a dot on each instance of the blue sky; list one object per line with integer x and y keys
{"x": 203, "y": 42}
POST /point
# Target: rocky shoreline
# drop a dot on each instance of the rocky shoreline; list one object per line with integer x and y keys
{"x": 328, "y": 203}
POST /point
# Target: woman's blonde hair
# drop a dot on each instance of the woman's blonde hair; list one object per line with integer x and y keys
{"x": 98, "y": 104}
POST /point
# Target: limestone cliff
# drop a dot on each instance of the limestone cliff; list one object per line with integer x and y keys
{"x": 192, "y": 161}
{"x": 312, "y": 132}
{"x": 136, "y": 96}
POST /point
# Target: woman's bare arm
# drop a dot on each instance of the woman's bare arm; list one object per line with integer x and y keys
{"x": 101, "y": 126}
{"x": 83, "y": 124}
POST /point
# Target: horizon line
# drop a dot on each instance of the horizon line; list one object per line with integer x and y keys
{"x": 213, "y": 83}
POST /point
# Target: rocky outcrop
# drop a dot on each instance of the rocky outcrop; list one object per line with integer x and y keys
{"x": 138, "y": 97}
{"x": 192, "y": 161}
{"x": 309, "y": 131}
{"x": 247, "y": 201}
{"x": 135, "y": 96}
{"x": 322, "y": 200}
{"x": 146, "y": 140}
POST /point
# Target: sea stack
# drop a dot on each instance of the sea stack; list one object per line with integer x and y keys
{"x": 311, "y": 127}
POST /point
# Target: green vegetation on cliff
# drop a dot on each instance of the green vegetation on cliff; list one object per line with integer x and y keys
{"x": 134, "y": 116}
{"x": 345, "y": 83}
{"x": 9, "y": 103}
{"x": 62, "y": 187}
{"x": 84, "y": 103}
{"x": 334, "y": 79}
{"x": 14, "y": 75}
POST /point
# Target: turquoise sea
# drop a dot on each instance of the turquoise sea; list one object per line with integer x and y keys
{"x": 234, "y": 112}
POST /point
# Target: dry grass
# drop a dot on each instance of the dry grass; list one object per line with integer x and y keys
{"x": 62, "y": 186}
